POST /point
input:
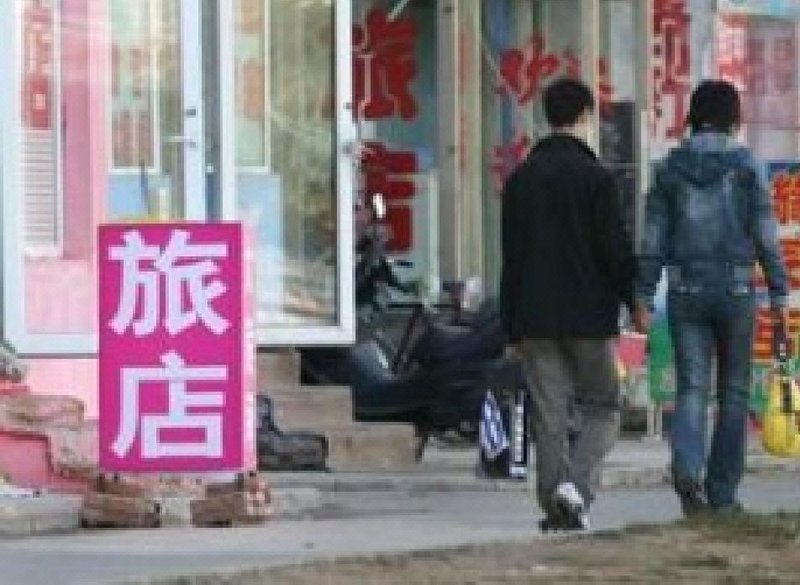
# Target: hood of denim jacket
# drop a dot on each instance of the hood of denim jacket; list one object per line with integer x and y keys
{"x": 702, "y": 158}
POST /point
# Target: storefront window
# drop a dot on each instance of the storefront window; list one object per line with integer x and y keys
{"x": 119, "y": 111}
{"x": 61, "y": 148}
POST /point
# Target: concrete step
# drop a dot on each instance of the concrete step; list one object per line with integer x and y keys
{"x": 353, "y": 445}
{"x": 317, "y": 408}
{"x": 277, "y": 368}
{"x": 373, "y": 447}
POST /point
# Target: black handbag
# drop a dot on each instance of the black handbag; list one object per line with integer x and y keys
{"x": 279, "y": 450}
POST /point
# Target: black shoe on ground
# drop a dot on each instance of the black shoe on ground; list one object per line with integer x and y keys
{"x": 551, "y": 524}
{"x": 693, "y": 499}
{"x": 728, "y": 509}
{"x": 563, "y": 524}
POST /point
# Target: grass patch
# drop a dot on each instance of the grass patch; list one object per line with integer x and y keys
{"x": 709, "y": 561}
{"x": 773, "y": 529}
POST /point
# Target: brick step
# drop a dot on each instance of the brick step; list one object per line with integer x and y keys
{"x": 23, "y": 409}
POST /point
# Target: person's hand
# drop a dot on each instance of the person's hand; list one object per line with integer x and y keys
{"x": 642, "y": 318}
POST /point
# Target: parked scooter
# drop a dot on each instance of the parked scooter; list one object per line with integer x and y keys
{"x": 436, "y": 376}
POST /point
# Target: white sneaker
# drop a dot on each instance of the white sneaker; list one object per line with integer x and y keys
{"x": 572, "y": 506}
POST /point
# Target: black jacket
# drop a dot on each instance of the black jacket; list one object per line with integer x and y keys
{"x": 567, "y": 257}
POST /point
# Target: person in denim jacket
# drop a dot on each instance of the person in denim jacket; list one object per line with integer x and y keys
{"x": 708, "y": 220}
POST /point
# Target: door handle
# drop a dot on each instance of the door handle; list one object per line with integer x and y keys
{"x": 185, "y": 140}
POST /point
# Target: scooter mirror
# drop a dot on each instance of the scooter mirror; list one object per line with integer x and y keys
{"x": 379, "y": 206}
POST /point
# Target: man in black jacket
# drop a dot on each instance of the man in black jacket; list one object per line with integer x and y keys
{"x": 567, "y": 266}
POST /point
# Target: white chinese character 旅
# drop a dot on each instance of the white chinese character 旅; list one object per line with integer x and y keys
{"x": 176, "y": 375}
{"x": 145, "y": 267}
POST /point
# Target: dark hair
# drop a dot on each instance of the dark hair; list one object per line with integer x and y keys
{"x": 714, "y": 106}
{"x": 565, "y": 100}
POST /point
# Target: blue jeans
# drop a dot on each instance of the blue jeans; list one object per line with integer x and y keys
{"x": 704, "y": 324}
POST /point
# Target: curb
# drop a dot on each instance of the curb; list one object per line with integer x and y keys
{"x": 342, "y": 484}
{"x": 614, "y": 476}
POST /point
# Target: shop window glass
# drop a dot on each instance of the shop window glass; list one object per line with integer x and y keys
{"x": 286, "y": 157}
{"x": 100, "y": 116}
{"x": 41, "y": 136}
{"x": 527, "y": 44}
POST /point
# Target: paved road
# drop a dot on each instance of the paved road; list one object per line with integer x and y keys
{"x": 352, "y": 524}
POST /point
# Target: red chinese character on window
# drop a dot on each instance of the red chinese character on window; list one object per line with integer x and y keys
{"x": 506, "y": 157}
{"x": 400, "y": 222}
{"x": 384, "y": 67}
{"x": 524, "y": 71}
{"x": 387, "y": 171}
{"x": 671, "y": 68}
{"x": 786, "y": 195}
{"x": 391, "y": 174}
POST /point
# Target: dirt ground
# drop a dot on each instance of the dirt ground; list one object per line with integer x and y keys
{"x": 743, "y": 549}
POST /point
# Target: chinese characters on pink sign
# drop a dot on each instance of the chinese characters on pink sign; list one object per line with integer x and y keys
{"x": 171, "y": 348}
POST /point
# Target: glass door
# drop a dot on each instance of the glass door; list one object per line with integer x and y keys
{"x": 156, "y": 110}
{"x": 289, "y": 105}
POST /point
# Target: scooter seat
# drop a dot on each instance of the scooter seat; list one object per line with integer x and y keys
{"x": 441, "y": 342}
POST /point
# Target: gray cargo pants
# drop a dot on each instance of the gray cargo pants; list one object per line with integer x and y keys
{"x": 559, "y": 371}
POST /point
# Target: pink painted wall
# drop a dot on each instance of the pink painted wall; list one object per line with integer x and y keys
{"x": 60, "y": 293}
{"x": 85, "y": 90}
{"x": 68, "y": 377}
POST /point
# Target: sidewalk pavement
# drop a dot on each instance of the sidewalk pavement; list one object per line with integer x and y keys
{"x": 631, "y": 464}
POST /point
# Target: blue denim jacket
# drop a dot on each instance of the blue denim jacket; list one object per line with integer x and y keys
{"x": 708, "y": 219}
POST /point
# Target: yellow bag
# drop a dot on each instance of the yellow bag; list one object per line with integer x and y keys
{"x": 780, "y": 434}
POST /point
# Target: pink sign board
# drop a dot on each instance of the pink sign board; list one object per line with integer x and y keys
{"x": 171, "y": 347}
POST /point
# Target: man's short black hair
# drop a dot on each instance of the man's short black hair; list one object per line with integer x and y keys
{"x": 715, "y": 106}
{"x": 565, "y": 100}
